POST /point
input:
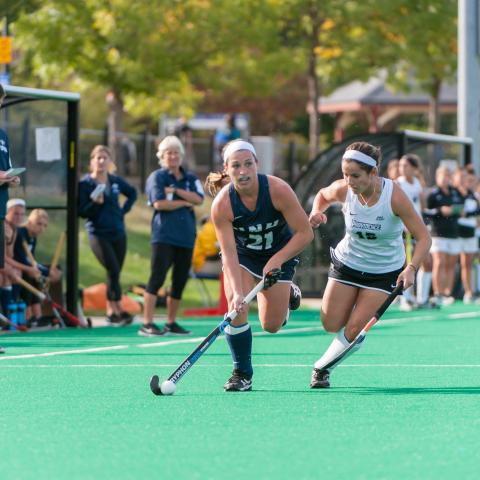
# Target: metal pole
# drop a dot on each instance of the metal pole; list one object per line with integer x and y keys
{"x": 469, "y": 75}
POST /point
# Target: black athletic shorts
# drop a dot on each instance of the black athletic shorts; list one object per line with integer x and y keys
{"x": 385, "y": 282}
{"x": 255, "y": 264}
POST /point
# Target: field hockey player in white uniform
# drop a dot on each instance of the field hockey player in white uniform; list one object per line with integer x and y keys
{"x": 411, "y": 185}
{"x": 369, "y": 261}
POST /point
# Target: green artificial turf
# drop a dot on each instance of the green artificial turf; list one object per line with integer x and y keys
{"x": 405, "y": 406}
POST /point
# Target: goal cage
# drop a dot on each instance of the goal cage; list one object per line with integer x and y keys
{"x": 42, "y": 126}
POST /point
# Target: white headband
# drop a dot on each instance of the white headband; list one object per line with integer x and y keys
{"x": 16, "y": 202}
{"x": 235, "y": 147}
{"x": 359, "y": 157}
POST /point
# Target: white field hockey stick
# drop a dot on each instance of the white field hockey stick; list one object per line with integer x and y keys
{"x": 359, "y": 338}
{"x": 168, "y": 386}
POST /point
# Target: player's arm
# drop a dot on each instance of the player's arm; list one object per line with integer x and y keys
{"x": 285, "y": 201}
{"x": 222, "y": 218}
{"x": 336, "y": 192}
{"x": 403, "y": 208}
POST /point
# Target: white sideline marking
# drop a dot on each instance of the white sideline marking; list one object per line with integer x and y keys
{"x": 464, "y": 315}
{"x": 199, "y": 339}
{"x": 65, "y": 352}
{"x": 394, "y": 321}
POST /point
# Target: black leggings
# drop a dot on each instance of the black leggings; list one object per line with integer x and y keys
{"x": 111, "y": 254}
{"x": 163, "y": 256}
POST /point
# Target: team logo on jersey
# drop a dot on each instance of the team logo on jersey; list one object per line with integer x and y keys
{"x": 3, "y": 146}
{"x": 257, "y": 228}
{"x": 366, "y": 226}
{"x": 380, "y": 219}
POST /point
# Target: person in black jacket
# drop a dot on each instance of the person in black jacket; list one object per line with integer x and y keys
{"x": 98, "y": 197}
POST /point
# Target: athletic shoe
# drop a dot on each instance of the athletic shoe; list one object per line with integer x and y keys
{"x": 115, "y": 320}
{"x": 175, "y": 329}
{"x": 238, "y": 382}
{"x": 320, "y": 378}
{"x": 468, "y": 299}
{"x": 150, "y": 330}
{"x": 38, "y": 322}
{"x": 295, "y": 297}
{"x": 448, "y": 300}
{"x": 2, "y": 350}
{"x": 126, "y": 317}
{"x": 407, "y": 306}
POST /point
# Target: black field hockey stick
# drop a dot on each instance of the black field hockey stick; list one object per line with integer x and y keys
{"x": 359, "y": 338}
{"x": 155, "y": 386}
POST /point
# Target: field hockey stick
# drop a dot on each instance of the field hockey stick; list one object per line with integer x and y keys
{"x": 7, "y": 321}
{"x": 359, "y": 338}
{"x": 57, "y": 309}
{"x": 58, "y": 251}
{"x": 408, "y": 247}
{"x": 175, "y": 377}
{"x": 56, "y": 255}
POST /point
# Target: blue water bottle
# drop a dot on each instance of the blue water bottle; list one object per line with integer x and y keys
{"x": 21, "y": 307}
{"x": 12, "y": 314}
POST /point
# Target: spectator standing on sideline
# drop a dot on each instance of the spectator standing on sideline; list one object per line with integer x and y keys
{"x": 227, "y": 134}
{"x": 408, "y": 165}
{"x": 444, "y": 205}
{"x": 465, "y": 183}
{"x": 5, "y": 183}
{"x": 98, "y": 202}
{"x": 172, "y": 192}
{"x": 185, "y": 134}
{"x": 393, "y": 171}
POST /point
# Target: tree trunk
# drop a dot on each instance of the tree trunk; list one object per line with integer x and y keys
{"x": 434, "y": 107}
{"x": 313, "y": 98}
{"x": 114, "y": 125}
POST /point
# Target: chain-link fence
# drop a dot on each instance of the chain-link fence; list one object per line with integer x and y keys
{"x": 137, "y": 155}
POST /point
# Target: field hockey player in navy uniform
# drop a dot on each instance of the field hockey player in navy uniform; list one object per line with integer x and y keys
{"x": 260, "y": 227}
{"x": 369, "y": 261}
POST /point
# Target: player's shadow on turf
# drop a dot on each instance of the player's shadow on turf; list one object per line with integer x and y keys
{"x": 418, "y": 391}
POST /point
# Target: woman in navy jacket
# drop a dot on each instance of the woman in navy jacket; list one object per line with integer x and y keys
{"x": 98, "y": 195}
{"x": 172, "y": 192}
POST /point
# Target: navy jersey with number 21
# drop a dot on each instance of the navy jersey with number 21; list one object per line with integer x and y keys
{"x": 261, "y": 232}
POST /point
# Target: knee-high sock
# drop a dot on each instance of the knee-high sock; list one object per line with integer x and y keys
{"x": 424, "y": 282}
{"x": 336, "y": 348}
{"x": 5, "y": 298}
{"x": 240, "y": 342}
{"x": 408, "y": 295}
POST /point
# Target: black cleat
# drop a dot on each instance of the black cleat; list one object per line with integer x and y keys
{"x": 320, "y": 378}
{"x": 238, "y": 382}
{"x": 150, "y": 330}
{"x": 175, "y": 329}
{"x": 115, "y": 320}
{"x": 155, "y": 385}
{"x": 295, "y": 297}
{"x": 2, "y": 350}
{"x": 127, "y": 318}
